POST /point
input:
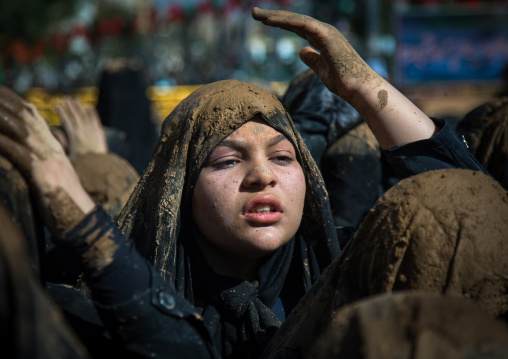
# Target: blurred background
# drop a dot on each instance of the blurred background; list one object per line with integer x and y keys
{"x": 446, "y": 55}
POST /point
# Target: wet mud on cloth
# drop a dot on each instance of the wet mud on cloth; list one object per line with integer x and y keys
{"x": 438, "y": 232}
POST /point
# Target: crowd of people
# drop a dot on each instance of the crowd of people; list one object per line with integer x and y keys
{"x": 337, "y": 221}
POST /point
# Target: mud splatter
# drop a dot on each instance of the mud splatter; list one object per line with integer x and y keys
{"x": 382, "y": 95}
{"x": 258, "y": 129}
{"x": 63, "y": 211}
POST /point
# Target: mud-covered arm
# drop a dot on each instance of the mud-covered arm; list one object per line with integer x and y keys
{"x": 141, "y": 311}
{"x": 443, "y": 150}
{"x": 26, "y": 141}
{"x": 393, "y": 118}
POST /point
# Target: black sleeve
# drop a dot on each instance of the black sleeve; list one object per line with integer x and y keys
{"x": 142, "y": 312}
{"x": 444, "y": 150}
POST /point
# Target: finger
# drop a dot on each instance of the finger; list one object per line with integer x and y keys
{"x": 11, "y": 126}
{"x": 68, "y": 118}
{"x": 311, "y": 58}
{"x": 20, "y": 156}
{"x": 92, "y": 114}
{"x": 65, "y": 115}
{"x": 10, "y": 101}
{"x": 102, "y": 144}
{"x": 72, "y": 114}
{"x": 78, "y": 109}
{"x": 262, "y": 14}
{"x": 304, "y": 26}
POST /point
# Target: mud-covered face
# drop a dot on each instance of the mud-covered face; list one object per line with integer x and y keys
{"x": 249, "y": 197}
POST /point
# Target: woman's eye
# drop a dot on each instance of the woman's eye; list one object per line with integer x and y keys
{"x": 225, "y": 164}
{"x": 283, "y": 159}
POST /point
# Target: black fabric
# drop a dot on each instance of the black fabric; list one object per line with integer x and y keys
{"x": 443, "y": 150}
{"x": 123, "y": 106}
{"x": 320, "y": 116}
{"x": 97, "y": 227}
{"x": 158, "y": 323}
{"x": 30, "y": 324}
{"x": 342, "y": 145}
{"x": 238, "y": 299}
{"x": 158, "y": 215}
{"x": 486, "y": 131}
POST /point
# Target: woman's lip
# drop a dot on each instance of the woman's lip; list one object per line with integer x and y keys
{"x": 263, "y": 217}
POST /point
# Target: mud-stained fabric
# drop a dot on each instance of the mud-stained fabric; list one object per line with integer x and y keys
{"x": 107, "y": 178}
{"x": 158, "y": 216}
{"x": 30, "y": 326}
{"x": 14, "y": 194}
{"x": 410, "y": 325}
{"x": 440, "y": 232}
{"x": 486, "y": 131}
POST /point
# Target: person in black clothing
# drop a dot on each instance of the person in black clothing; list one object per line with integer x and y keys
{"x": 342, "y": 145}
{"x": 125, "y": 111}
{"x": 230, "y": 249}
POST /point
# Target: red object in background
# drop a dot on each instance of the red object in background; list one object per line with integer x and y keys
{"x": 109, "y": 27}
{"x": 205, "y": 8}
{"x": 24, "y": 53}
{"x": 59, "y": 41}
{"x": 176, "y": 13}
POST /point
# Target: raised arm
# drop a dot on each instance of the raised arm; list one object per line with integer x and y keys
{"x": 25, "y": 139}
{"x": 393, "y": 118}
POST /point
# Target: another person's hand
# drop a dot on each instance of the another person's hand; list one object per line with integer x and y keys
{"x": 337, "y": 64}
{"x": 26, "y": 141}
{"x": 83, "y": 128}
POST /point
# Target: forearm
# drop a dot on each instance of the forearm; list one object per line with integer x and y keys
{"x": 392, "y": 117}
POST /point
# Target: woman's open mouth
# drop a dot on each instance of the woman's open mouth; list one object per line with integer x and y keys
{"x": 263, "y": 209}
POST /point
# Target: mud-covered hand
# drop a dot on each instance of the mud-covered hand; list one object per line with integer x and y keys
{"x": 26, "y": 141}
{"x": 391, "y": 116}
{"x": 337, "y": 64}
{"x": 83, "y": 128}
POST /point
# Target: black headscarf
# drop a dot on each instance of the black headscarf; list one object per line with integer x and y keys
{"x": 158, "y": 217}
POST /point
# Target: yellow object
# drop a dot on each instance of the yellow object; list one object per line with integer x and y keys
{"x": 163, "y": 98}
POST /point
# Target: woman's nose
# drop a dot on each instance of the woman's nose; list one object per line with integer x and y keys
{"x": 259, "y": 175}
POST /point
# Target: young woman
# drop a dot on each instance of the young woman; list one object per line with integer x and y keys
{"x": 231, "y": 213}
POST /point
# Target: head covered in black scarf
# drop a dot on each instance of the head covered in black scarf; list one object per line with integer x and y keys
{"x": 158, "y": 217}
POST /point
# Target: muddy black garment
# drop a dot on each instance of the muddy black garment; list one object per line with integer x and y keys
{"x": 320, "y": 116}
{"x": 30, "y": 325}
{"x": 342, "y": 145}
{"x": 237, "y": 320}
{"x": 485, "y": 129}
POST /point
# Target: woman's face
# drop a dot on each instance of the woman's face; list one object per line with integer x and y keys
{"x": 249, "y": 197}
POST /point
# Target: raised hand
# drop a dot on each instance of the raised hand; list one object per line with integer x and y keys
{"x": 83, "y": 128}
{"x": 338, "y": 65}
{"x": 26, "y": 141}
{"x": 392, "y": 117}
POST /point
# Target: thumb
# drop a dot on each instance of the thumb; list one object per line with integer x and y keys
{"x": 311, "y": 58}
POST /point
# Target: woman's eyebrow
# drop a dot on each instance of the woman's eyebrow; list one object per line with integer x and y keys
{"x": 275, "y": 140}
{"x": 237, "y": 145}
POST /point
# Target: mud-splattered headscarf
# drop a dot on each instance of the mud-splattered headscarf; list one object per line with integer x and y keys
{"x": 158, "y": 216}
